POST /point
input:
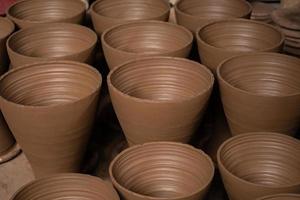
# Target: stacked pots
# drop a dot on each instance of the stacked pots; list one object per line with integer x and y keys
{"x": 262, "y": 12}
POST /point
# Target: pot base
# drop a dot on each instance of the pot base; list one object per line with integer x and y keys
{"x": 11, "y": 153}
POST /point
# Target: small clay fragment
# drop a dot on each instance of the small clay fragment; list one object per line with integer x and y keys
{"x": 286, "y": 196}
{"x": 6, "y": 28}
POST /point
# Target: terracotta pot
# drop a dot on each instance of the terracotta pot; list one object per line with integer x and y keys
{"x": 194, "y": 13}
{"x": 50, "y": 108}
{"x": 159, "y": 98}
{"x": 257, "y": 164}
{"x": 223, "y": 39}
{"x": 67, "y": 186}
{"x": 281, "y": 197}
{"x": 6, "y": 28}
{"x": 162, "y": 170}
{"x": 28, "y": 13}
{"x": 143, "y": 39}
{"x": 261, "y": 92}
{"x": 107, "y": 13}
{"x": 56, "y": 42}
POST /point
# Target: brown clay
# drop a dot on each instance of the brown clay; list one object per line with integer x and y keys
{"x": 262, "y": 11}
{"x": 159, "y": 98}
{"x": 223, "y": 39}
{"x": 286, "y": 196}
{"x": 6, "y": 138}
{"x": 67, "y": 186}
{"x": 141, "y": 39}
{"x": 287, "y": 17}
{"x": 6, "y": 28}
{"x": 59, "y": 41}
{"x": 261, "y": 92}
{"x": 50, "y": 108}
{"x": 194, "y": 13}
{"x": 162, "y": 170}
{"x": 254, "y": 165}
{"x": 108, "y": 13}
{"x": 28, "y": 13}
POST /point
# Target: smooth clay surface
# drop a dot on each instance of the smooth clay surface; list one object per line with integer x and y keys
{"x": 6, "y": 28}
{"x": 281, "y": 197}
{"x": 159, "y": 98}
{"x": 162, "y": 170}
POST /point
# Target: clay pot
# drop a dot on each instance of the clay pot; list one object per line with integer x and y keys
{"x": 56, "y": 42}
{"x": 50, "y": 108}
{"x": 261, "y": 92}
{"x": 67, "y": 186}
{"x": 143, "y": 39}
{"x": 107, "y": 13}
{"x": 194, "y": 13}
{"x": 159, "y": 98}
{"x": 281, "y": 197}
{"x": 257, "y": 164}
{"x": 162, "y": 170}
{"x": 223, "y": 39}
{"x": 6, "y": 28}
{"x": 28, "y": 13}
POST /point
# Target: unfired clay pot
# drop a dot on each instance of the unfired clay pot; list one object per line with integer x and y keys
{"x": 223, "y": 39}
{"x": 286, "y": 196}
{"x": 143, "y": 39}
{"x": 257, "y": 164}
{"x": 28, "y": 13}
{"x": 6, "y": 28}
{"x": 195, "y": 13}
{"x": 107, "y": 13}
{"x": 159, "y": 98}
{"x": 261, "y": 92}
{"x": 162, "y": 170}
{"x": 50, "y": 109}
{"x": 59, "y": 41}
{"x": 67, "y": 186}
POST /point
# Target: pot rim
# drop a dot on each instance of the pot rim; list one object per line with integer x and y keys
{"x": 279, "y": 195}
{"x": 11, "y": 24}
{"x": 190, "y": 147}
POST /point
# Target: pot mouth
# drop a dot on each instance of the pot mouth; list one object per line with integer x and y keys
{"x": 262, "y": 74}
{"x": 240, "y": 35}
{"x": 36, "y": 11}
{"x": 147, "y": 37}
{"x": 214, "y": 9}
{"x": 130, "y": 9}
{"x": 263, "y": 159}
{"x": 7, "y": 27}
{"x": 49, "y": 84}
{"x": 67, "y": 185}
{"x": 283, "y": 196}
{"x": 162, "y": 170}
{"x": 56, "y": 41}
{"x": 161, "y": 80}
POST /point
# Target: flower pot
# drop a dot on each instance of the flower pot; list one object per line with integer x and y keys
{"x": 28, "y": 13}
{"x": 107, "y": 13}
{"x": 56, "y": 42}
{"x": 261, "y": 92}
{"x": 257, "y": 164}
{"x": 159, "y": 98}
{"x": 50, "y": 109}
{"x": 286, "y": 196}
{"x": 221, "y": 40}
{"x": 6, "y": 28}
{"x": 162, "y": 170}
{"x": 143, "y": 39}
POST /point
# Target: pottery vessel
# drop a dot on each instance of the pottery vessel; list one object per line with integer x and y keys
{"x": 223, "y": 39}
{"x": 261, "y": 92}
{"x": 28, "y": 13}
{"x": 257, "y": 164}
{"x": 286, "y": 196}
{"x": 159, "y": 98}
{"x": 50, "y": 109}
{"x": 194, "y": 13}
{"x": 6, "y": 28}
{"x": 59, "y": 41}
{"x": 108, "y": 13}
{"x": 67, "y": 186}
{"x": 140, "y": 39}
{"x": 162, "y": 170}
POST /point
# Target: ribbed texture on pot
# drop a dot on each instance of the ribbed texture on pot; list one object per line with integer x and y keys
{"x": 159, "y": 98}
{"x": 50, "y": 108}
{"x": 6, "y": 28}
{"x": 223, "y": 39}
{"x": 162, "y": 170}
{"x": 194, "y": 13}
{"x": 257, "y": 164}
{"x": 261, "y": 92}
{"x": 67, "y": 186}
{"x": 28, "y": 13}
{"x": 286, "y": 196}
{"x": 143, "y": 39}
{"x": 59, "y": 41}
{"x": 107, "y": 13}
